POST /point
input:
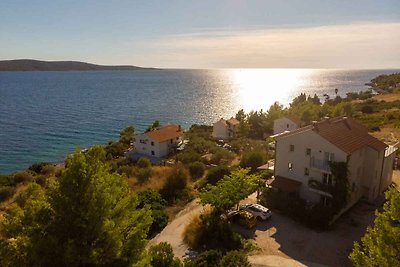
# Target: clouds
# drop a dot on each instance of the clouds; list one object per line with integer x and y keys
{"x": 358, "y": 45}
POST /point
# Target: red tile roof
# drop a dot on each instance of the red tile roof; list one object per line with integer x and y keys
{"x": 233, "y": 121}
{"x": 165, "y": 133}
{"x": 294, "y": 119}
{"x": 345, "y": 133}
{"x": 285, "y": 184}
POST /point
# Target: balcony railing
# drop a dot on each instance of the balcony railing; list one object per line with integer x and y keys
{"x": 320, "y": 188}
{"x": 320, "y": 164}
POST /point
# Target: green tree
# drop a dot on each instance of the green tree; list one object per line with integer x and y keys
{"x": 230, "y": 190}
{"x": 234, "y": 259}
{"x": 154, "y": 125}
{"x": 162, "y": 255}
{"x": 380, "y": 246}
{"x": 87, "y": 218}
{"x": 126, "y": 135}
{"x": 143, "y": 163}
{"x": 196, "y": 169}
{"x": 253, "y": 159}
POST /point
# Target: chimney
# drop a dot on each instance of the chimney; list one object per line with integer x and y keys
{"x": 179, "y": 128}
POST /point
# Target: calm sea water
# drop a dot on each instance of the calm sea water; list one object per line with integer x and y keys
{"x": 45, "y": 115}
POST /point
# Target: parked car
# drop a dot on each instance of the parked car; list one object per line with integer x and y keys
{"x": 259, "y": 211}
{"x": 243, "y": 218}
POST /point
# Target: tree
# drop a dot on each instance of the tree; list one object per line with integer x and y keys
{"x": 235, "y": 258}
{"x": 217, "y": 173}
{"x": 154, "y": 125}
{"x": 252, "y": 159}
{"x": 87, "y": 218}
{"x": 143, "y": 163}
{"x": 230, "y": 190}
{"x": 380, "y": 246}
{"x": 162, "y": 255}
{"x": 126, "y": 135}
{"x": 196, "y": 169}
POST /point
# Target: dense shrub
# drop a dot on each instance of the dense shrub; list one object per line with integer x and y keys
{"x": 41, "y": 180}
{"x": 208, "y": 258}
{"x": 37, "y": 167}
{"x": 189, "y": 156}
{"x": 253, "y": 159}
{"x": 144, "y": 174}
{"x": 234, "y": 259}
{"x": 222, "y": 155}
{"x": 143, "y": 163}
{"x": 209, "y": 231}
{"x": 22, "y": 177}
{"x": 162, "y": 255}
{"x": 217, "y": 173}
{"x": 196, "y": 169}
{"x": 7, "y": 180}
{"x": 175, "y": 186}
{"x": 128, "y": 170}
{"x": 154, "y": 200}
{"x": 48, "y": 170}
{"x": 367, "y": 109}
{"x": 6, "y": 192}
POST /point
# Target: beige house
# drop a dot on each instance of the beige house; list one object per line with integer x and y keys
{"x": 287, "y": 123}
{"x": 303, "y": 155}
{"x": 159, "y": 142}
{"x": 225, "y": 129}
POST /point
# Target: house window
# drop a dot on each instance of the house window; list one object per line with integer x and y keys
{"x": 308, "y": 151}
{"x": 306, "y": 171}
{"x": 152, "y": 152}
{"x": 287, "y": 126}
{"x": 290, "y": 166}
{"x": 152, "y": 143}
{"x": 291, "y": 148}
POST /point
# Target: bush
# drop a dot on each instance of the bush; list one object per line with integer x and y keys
{"x": 189, "y": 156}
{"x": 143, "y": 175}
{"x": 128, "y": 170}
{"x": 162, "y": 255}
{"x": 22, "y": 177}
{"x": 208, "y": 258}
{"x": 217, "y": 173}
{"x": 252, "y": 159}
{"x": 41, "y": 180}
{"x": 221, "y": 155}
{"x": 6, "y": 192}
{"x": 157, "y": 204}
{"x": 37, "y": 167}
{"x": 367, "y": 109}
{"x": 7, "y": 180}
{"x": 234, "y": 259}
{"x": 175, "y": 185}
{"x": 196, "y": 169}
{"x": 210, "y": 232}
{"x": 48, "y": 170}
{"x": 143, "y": 163}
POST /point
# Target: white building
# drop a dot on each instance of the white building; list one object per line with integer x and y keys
{"x": 303, "y": 155}
{"x": 158, "y": 142}
{"x": 225, "y": 129}
{"x": 287, "y": 123}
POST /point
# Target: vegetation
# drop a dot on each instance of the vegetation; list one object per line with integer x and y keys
{"x": 229, "y": 190}
{"x": 115, "y": 149}
{"x": 217, "y": 173}
{"x": 163, "y": 256}
{"x": 380, "y": 244}
{"x": 235, "y": 259}
{"x": 386, "y": 83}
{"x": 175, "y": 186}
{"x": 253, "y": 159}
{"x": 87, "y": 217}
{"x": 196, "y": 169}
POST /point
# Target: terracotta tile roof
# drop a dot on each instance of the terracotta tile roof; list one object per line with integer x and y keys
{"x": 294, "y": 119}
{"x": 285, "y": 184}
{"x": 233, "y": 121}
{"x": 165, "y": 133}
{"x": 345, "y": 133}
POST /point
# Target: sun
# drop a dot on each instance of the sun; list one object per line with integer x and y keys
{"x": 259, "y": 88}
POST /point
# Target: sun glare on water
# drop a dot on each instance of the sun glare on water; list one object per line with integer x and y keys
{"x": 259, "y": 88}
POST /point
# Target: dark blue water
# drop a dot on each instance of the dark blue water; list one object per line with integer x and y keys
{"x": 45, "y": 115}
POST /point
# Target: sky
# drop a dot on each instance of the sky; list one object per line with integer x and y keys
{"x": 205, "y": 34}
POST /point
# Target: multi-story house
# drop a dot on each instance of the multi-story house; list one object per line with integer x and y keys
{"x": 158, "y": 142}
{"x": 287, "y": 123}
{"x": 302, "y": 160}
{"x": 225, "y": 129}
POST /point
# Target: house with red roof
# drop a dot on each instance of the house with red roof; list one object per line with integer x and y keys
{"x": 158, "y": 142}
{"x": 225, "y": 129}
{"x": 303, "y": 156}
{"x": 286, "y": 123}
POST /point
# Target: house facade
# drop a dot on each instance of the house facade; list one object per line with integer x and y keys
{"x": 302, "y": 160}
{"x": 159, "y": 142}
{"x": 287, "y": 123}
{"x": 225, "y": 129}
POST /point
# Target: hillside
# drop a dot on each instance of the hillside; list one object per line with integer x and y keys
{"x": 37, "y": 65}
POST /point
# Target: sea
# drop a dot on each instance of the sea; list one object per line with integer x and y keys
{"x": 45, "y": 115}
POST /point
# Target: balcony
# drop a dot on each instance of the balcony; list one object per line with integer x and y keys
{"x": 320, "y": 188}
{"x": 320, "y": 165}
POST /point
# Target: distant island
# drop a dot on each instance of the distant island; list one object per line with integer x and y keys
{"x": 38, "y": 65}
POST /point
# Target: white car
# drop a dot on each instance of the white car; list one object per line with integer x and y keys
{"x": 259, "y": 211}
